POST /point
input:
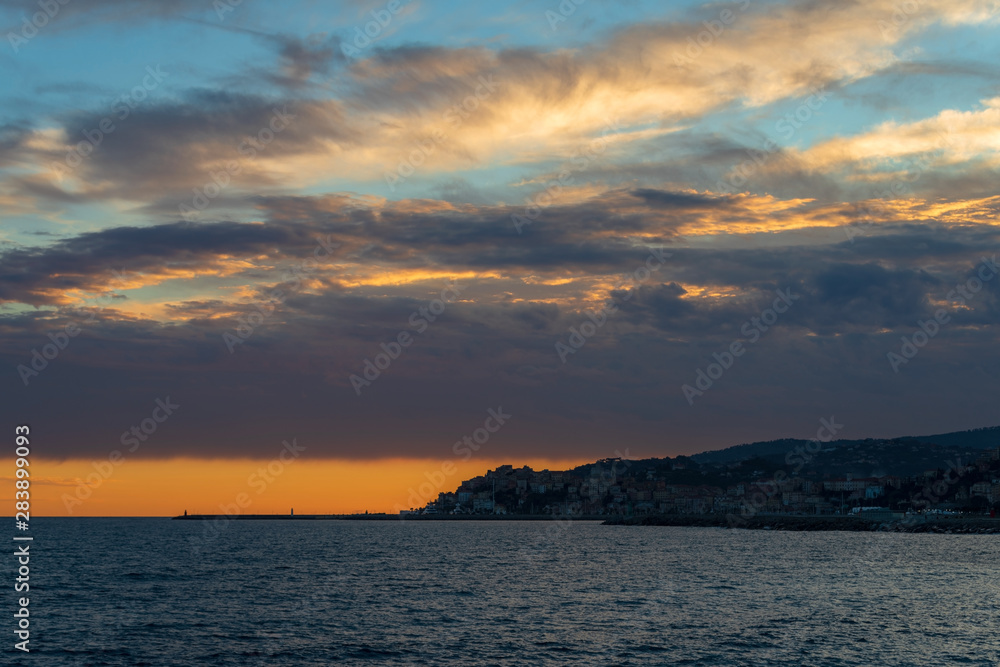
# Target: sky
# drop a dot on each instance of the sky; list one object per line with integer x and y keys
{"x": 418, "y": 240}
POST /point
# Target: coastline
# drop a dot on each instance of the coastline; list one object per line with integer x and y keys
{"x": 388, "y": 517}
{"x": 943, "y": 524}
{"x": 940, "y": 524}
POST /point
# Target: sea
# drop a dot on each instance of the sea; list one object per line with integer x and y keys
{"x": 135, "y": 592}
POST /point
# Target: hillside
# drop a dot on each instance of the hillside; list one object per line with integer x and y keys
{"x": 958, "y": 443}
{"x": 948, "y": 471}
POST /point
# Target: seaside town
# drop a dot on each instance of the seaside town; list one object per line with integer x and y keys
{"x": 759, "y": 484}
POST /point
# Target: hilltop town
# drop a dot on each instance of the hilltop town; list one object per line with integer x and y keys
{"x": 789, "y": 476}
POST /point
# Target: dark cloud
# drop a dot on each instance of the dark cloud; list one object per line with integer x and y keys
{"x": 156, "y": 151}
{"x": 622, "y": 388}
{"x": 851, "y": 288}
{"x": 827, "y": 354}
{"x": 35, "y": 276}
{"x": 12, "y": 138}
{"x": 523, "y": 293}
{"x": 678, "y": 200}
{"x": 892, "y": 271}
{"x": 301, "y": 59}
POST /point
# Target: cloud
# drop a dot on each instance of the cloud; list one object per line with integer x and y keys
{"x": 474, "y": 106}
{"x": 949, "y": 138}
{"x": 681, "y": 200}
{"x": 613, "y": 149}
{"x": 570, "y": 250}
{"x": 167, "y": 150}
{"x": 301, "y": 59}
{"x": 86, "y": 263}
{"x": 827, "y": 350}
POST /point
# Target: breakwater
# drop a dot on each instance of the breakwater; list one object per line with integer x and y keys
{"x": 919, "y": 524}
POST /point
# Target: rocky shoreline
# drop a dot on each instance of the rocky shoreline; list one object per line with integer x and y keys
{"x": 945, "y": 525}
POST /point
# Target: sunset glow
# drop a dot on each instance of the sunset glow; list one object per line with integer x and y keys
{"x": 199, "y": 486}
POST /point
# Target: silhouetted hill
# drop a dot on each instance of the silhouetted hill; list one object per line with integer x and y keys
{"x": 754, "y": 449}
{"x": 947, "y": 471}
{"x": 959, "y": 442}
{"x": 979, "y": 438}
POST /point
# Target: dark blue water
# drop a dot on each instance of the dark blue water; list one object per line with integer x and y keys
{"x": 159, "y": 592}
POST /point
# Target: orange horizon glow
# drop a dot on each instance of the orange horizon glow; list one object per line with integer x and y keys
{"x": 163, "y": 488}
